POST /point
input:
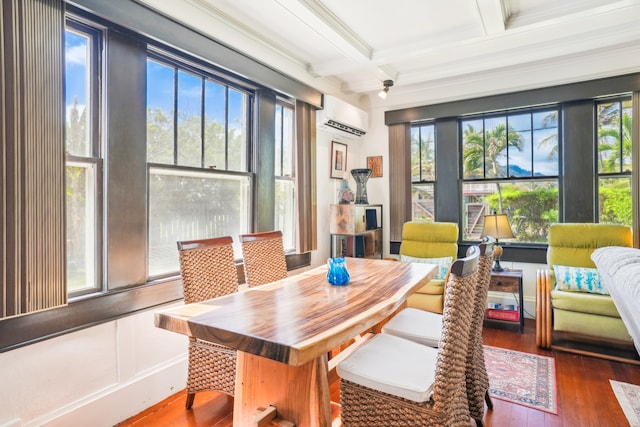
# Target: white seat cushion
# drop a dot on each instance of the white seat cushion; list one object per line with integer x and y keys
{"x": 392, "y": 365}
{"x": 423, "y": 327}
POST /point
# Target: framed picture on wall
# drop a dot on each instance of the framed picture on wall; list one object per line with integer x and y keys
{"x": 375, "y": 164}
{"x": 338, "y": 160}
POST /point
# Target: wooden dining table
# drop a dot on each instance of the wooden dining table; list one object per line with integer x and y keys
{"x": 284, "y": 330}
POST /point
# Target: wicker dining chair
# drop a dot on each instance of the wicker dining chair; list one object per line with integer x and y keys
{"x": 477, "y": 377}
{"x": 264, "y": 259}
{"x": 425, "y": 327}
{"x": 208, "y": 270}
{"x": 393, "y": 381}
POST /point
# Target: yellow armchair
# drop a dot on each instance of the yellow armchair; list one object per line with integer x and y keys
{"x": 579, "y": 321}
{"x": 422, "y": 240}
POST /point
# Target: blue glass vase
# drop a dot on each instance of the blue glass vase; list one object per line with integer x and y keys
{"x": 337, "y": 274}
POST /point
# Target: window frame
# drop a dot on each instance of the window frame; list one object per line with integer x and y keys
{"x": 620, "y": 173}
{"x": 507, "y": 178}
{"x": 206, "y": 74}
{"x": 279, "y": 169}
{"x": 94, "y": 160}
{"x": 422, "y": 182}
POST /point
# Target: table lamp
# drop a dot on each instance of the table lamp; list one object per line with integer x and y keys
{"x": 497, "y": 226}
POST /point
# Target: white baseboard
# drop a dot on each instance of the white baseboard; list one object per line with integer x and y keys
{"x": 121, "y": 401}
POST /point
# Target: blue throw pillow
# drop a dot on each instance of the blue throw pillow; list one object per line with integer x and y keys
{"x": 579, "y": 279}
{"x": 443, "y": 264}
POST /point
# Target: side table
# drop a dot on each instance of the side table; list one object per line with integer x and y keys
{"x": 507, "y": 281}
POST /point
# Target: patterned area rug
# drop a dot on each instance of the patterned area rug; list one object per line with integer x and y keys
{"x": 522, "y": 378}
{"x": 628, "y": 396}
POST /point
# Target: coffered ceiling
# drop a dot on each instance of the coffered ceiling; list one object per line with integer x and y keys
{"x": 433, "y": 50}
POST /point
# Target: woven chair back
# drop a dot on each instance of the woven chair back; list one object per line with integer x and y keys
{"x": 208, "y": 268}
{"x": 208, "y": 271}
{"x": 477, "y": 378}
{"x": 450, "y": 396}
{"x": 264, "y": 259}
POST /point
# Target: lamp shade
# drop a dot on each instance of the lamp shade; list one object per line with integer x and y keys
{"x": 497, "y": 226}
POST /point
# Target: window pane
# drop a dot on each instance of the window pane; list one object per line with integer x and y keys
{"x": 545, "y": 143}
{"x": 415, "y": 154}
{"x": 82, "y": 151}
{"x": 626, "y": 130}
{"x": 615, "y": 205}
{"x": 214, "y": 132}
{"x": 189, "y": 120}
{"x": 614, "y": 136}
{"x": 160, "y": 107}
{"x": 81, "y": 226}
{"x": 422, "y": 205}
{"x": 285, "y": 212}
{"x": 237, "y": 132}
{"x": 516, "y": 146}
{"x": 473, "y": 149}
{"x": 287, "y": 142}
{"x": 278, "y": 141}
{"x": 520, "y": 145}
{"x": 423, "y": 153}
{"x": 614, "y": 157}
{"x": 530, "y": 205}
{"x": 193, "y": 205}
{"x": 495, "y": 146}
{"x": 78, "y": 98}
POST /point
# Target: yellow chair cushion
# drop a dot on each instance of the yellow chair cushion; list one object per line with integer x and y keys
{"x": 429, "y": 240}
{"x": 572, "y": 244}
{"x": 422, "y": 239}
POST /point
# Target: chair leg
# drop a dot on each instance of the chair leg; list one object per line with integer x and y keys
{"x": 190, "y": 398}
{"x": 487, "y": 398}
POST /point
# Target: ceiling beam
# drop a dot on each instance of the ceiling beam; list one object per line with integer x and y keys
{"x": 493, "y": 15}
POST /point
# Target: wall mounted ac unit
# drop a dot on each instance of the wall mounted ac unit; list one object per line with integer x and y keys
{"x": 342, "y": 118}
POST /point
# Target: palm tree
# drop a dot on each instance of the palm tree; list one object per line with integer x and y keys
{"x": 482, "y": 155}
{"x": 550, "y": 120}
{"x": 613, "y": 138}
{"x": 473, "y": 154}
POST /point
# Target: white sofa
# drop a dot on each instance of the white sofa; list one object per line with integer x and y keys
{"x": 619, "y": 269}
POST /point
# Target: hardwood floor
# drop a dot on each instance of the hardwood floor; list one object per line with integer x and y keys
{"x": 585, "y": 397}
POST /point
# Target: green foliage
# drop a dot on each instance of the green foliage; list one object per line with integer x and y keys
{"x": 531, "y": 209}
{"x": 615, "y": 201}
{"x": 422, "y": 156}
{"x": 77, "y": 144}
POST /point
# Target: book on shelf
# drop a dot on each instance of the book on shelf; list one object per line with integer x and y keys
{"x": 511, "y": 315}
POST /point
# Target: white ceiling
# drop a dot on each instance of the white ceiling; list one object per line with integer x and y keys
{"x": 433, "y": 50}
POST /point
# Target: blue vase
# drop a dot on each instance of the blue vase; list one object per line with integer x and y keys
{"x": 337, "y": 274}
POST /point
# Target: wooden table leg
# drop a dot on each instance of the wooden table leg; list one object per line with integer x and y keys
{"x": 300, "y": 393}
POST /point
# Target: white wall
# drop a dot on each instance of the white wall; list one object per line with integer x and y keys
{"x": 95, "y": 377}
{"x": 327, "y": 188}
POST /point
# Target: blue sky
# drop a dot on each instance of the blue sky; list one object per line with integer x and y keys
{"x": 76, "y": 48}
{"x": 160, "y": 83}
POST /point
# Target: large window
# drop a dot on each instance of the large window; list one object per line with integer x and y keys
{"x": 510, "y": 165}
{"x": 614, "y": 165}
{"x": 423, "y": 172}
{"x": 197, "y": 151}
{"x": 83, "y": 158}
{"x": 285, "y": 179}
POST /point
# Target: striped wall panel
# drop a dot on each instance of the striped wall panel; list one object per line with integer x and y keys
{"x": 399, "y": 185}
{"x": 33, "y": 156}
